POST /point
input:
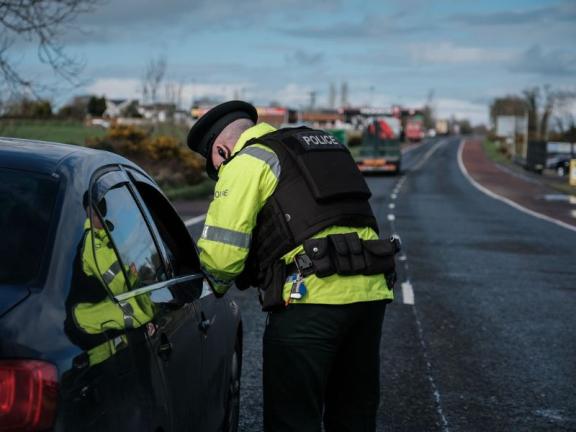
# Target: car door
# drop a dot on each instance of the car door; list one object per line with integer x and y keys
{"x": 119, "y": 255}
{"x": 181, "y": 327}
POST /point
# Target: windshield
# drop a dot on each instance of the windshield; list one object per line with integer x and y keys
{"x": 26, "y": 205}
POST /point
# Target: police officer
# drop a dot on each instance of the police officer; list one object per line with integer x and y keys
{"x": 94, "y": 321}
{"x": 291, "y": 217}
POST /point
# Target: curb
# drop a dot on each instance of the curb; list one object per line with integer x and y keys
{"x": 503, "y": 199}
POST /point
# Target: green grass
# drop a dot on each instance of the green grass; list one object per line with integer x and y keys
{"x": 168, "y": 129}
{"x": 492, "y": 150}
{"x": 63, "y": 131}
{"x": 198, "y": 191}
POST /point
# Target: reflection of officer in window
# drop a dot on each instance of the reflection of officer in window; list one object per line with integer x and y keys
{"x": 97, "y": 277}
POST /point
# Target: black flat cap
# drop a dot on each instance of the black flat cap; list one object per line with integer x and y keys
{"x": 204, "y": 132}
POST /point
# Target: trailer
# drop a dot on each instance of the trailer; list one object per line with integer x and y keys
{"x": 380, "y": 149}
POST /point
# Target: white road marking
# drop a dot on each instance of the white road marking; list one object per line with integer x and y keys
{"x": 391, "y": 217}
{"x": 506, "y": 200}
{"x": 407, "y": 293}
{"x": 428, "y": 155}
{"x": 195, "y": 220}
{"x": 393, "y": 196}
{"x": 431, "y": 380}
{"x": 391, "y": 205}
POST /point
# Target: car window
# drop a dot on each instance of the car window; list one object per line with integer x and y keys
{"x": 177, "y": 242}
{"x": 130, "y": 236}
{"x": 27, "y": 201}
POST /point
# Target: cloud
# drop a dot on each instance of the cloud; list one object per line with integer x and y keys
{"x": 130, "y": 88}
{"x": 546, "y": 63}
{"x": 562, "y": 12}
{"x": 295, "y": 95}
{"x": 371, "y": 26}
{"x": 305, "y": 58}
{"x": 110, "y": 21}
{"x": 447, "y": 52}
{"x": 462, "y": 109}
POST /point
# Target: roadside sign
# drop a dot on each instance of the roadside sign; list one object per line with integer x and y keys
{"x": 573, "y": 172}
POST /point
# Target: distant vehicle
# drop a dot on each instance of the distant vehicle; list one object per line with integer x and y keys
{"x": 103, "y": 123}
{"x": 380, "y": 149}
{"x": 560, "y": 164}
{"x": 441, "y": 127}
{"x": 414, "y": 130}
{"x": 106, "y": 323}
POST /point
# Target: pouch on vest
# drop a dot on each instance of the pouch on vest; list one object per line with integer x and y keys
{"x": 348, "y": 256}
{"x": 318, "y": 250}
{"x": 271, "y": 297}
{"x": 379, "y": 256}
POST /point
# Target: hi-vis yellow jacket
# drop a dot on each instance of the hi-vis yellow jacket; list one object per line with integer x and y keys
{"x": 242, "y": 189}
{"x": 96, "y": 318}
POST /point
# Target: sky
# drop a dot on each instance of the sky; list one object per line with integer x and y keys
{"x": 457, "y": 54}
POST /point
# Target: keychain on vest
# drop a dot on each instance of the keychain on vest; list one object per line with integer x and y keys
{"x": 298, "y": 289}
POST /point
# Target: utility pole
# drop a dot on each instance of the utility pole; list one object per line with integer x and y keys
{"x": 344, "y": 95}
{"x": 312, "y": 95}
{"x": 332, "y": 96}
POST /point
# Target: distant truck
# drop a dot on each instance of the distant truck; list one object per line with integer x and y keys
{"x": 414, "y": 131}
{"x": 380, "y": 148}
{"x": 441, "y": 127}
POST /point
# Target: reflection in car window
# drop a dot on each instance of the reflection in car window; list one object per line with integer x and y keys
{"x": 132, "y": 239}
{"x": 26, "y": 203}
{"x": 95, "y": 321}
{"x": 179, "y": 246}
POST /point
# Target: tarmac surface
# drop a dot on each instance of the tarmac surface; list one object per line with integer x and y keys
{"x": 480, "y": 336}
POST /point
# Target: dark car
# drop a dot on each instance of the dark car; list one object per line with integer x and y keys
{"x": 106, "y": 323}
{"x": 562, "y": 166}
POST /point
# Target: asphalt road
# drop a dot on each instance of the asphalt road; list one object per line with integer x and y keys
{"x": 482, "y": 334}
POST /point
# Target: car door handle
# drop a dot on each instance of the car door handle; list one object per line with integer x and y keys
{"x": 165, "y": 347}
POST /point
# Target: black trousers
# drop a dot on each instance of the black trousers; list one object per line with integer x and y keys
{"x": 322, "y": 362}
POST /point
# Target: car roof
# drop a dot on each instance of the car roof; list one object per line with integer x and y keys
{"x": 44, "y": 156}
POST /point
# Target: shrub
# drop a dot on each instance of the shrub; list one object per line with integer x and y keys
{"x": 164, "y": 157}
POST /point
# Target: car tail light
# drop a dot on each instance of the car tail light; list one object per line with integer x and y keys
{"x": 28, "y": 394}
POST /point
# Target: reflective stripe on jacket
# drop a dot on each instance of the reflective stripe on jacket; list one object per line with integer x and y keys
{"x": 96, "y": 318}
{"x": 244, "y": 184}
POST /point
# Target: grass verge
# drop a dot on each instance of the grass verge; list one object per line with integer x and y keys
{"x": 494, "y": 152}
{"x": 197, "y": 191}
{"x": 62, "y": 131}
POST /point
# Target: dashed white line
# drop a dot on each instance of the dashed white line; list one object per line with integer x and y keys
{"x": 195, "y": 220}
{"x": 391, "y": 205}
{"x": 506, "y": 200}
{"x": 407, "y": 293}
{"x": 391, "y": 217}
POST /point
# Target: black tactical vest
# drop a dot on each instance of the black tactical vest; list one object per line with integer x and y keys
{"x": 319, "y": 186}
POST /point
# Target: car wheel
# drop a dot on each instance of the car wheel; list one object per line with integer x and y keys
{"x": 233, "y": 400}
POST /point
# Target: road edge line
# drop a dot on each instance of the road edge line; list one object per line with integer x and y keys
{"x": 508, "y": 201}
{"x": 195, "y": 220}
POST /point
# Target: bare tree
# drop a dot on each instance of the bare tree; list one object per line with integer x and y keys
{"x": 173, "y": 93}
{"x": 153, "y": 76}
{"x": 40, "y": 22}
{"x": 542, "y": 103}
